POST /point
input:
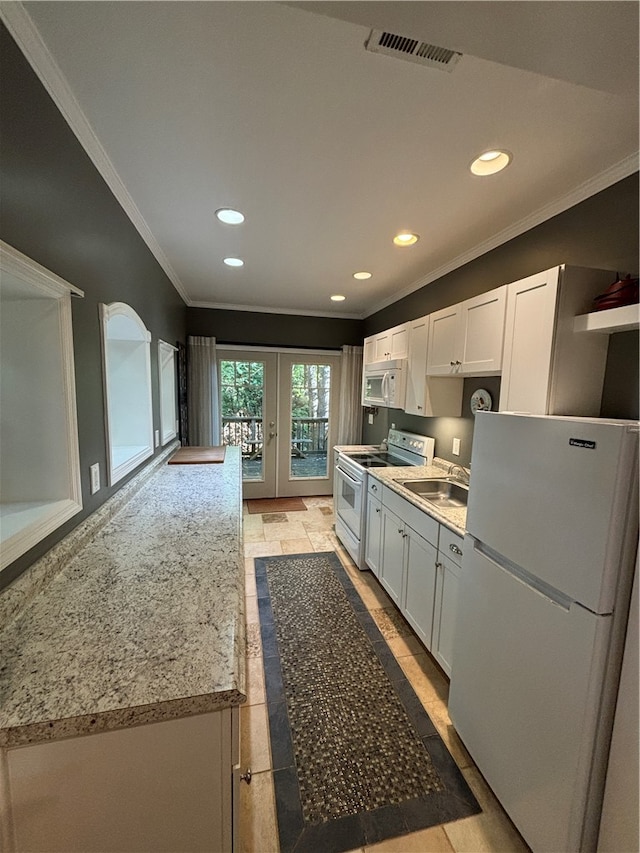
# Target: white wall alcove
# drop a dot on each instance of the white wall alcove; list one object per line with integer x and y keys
{"x": 40, "y": 472}
{"x": 168, "y": 391}
{"x": 126, "y": 346}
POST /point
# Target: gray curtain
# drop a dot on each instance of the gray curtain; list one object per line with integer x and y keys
{"x": 350, "y": 411}
{"x": 203, "y": 394}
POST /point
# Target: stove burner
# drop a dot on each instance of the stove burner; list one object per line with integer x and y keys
{"x": 377, "y": 460}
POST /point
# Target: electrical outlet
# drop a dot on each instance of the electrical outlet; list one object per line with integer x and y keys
{"x": 370, "y": 418}
{"x": 456, "y": 447}
{"x": 157, "y": 437}
{"x": 393, "y": 426}
{"x": 95, "y": 477}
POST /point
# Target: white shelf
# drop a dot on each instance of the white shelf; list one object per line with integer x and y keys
{"x": 623, "y": 319}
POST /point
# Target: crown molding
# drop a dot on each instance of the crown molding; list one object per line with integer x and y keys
{"x": 590, "y": 187}
{"x": 264, "y": 309}
{"x": 17, "y": 20}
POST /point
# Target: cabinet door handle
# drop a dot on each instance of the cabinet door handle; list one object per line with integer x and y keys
{"x": 246, "y": 777}
{"x": 377, "y": 509}
{"x": 455, "y": 549}
{"x": 400, "y": 531}
{"x": 438, "y": 565}
{"x": 452, "y": 363}
{"x": 374, "y": 488}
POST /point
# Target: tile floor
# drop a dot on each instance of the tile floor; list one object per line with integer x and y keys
{"x": 303, "y": 532}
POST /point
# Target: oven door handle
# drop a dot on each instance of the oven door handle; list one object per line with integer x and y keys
{"x": 347, "y": 476}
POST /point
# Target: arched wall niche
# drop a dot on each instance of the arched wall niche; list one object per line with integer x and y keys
{"x": 126, "y": 346}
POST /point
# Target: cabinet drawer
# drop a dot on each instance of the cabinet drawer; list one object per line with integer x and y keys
{"x": 451, "y": 545}
{"x": 418, "y": 520}
{"x": 374, "y": 488}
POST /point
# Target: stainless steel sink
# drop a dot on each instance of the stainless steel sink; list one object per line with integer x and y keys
{"x": 444, "y": 492}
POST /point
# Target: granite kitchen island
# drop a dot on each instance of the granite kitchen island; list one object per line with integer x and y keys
{"x": 121, "y": 679}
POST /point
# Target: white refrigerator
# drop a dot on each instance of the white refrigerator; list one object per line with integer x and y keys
{"x": 552, "y": 534}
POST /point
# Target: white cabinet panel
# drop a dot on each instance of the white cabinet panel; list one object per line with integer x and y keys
{"x": 445, "y": 609}
{"x": 467, "y": 338}
{"x": 548, "y": 368}
{"x": 388, "y": 345}
{"x": 428, "y": 396}
{"x": 420, "y": 584}
{"x": 162, "y": 787}
{"x": 392, "y": 555}
{"x": 482, "y": 320}
{"x": 373, "y": 534}
{"x": 443, "y": 347}
{"x": 531, "y": 309}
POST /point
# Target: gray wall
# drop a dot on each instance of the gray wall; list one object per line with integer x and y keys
{"x": 253, "y": 328}
{"x": 57, "y": 210}
{"x": 600, "y": 232}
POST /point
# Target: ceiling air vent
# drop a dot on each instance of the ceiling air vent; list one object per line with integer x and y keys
{"x": 413, "y": 50}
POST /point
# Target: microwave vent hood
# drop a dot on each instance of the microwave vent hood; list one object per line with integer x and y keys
{"x": 384, "y": 366}
{"x": 412, "y": 50}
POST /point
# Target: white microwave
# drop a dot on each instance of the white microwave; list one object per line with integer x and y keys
{"x": 383, "y": 384}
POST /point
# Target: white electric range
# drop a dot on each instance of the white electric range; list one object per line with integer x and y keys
{"x": 350, "y": 483}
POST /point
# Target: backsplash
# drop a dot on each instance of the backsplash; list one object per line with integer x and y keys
{"x": 444, "y": 430}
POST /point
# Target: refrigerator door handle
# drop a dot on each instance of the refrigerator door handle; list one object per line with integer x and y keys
{"x": 554, "y": 596}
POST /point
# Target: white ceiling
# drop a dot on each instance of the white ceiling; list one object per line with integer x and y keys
{"x": 329, "y": 150}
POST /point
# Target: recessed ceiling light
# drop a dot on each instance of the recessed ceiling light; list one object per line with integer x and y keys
{"x": 338, "y": 298}
{"x": 405, "y": 238}
{"x": 233, "y": 262}
{"x": 362, "y": 276}
{"x": 491, "y": 162}
{"x": 229, "y": 216}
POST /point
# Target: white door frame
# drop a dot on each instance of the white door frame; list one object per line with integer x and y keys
{"x": 276, "y": 480}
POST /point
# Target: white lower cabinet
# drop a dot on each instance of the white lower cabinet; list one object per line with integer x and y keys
{"x": 418, "y": 562}
{"x": 448, "y": 568}
{"x": 392, "y": 555}
{"x": 407, "y": 561}
{"x": 374, "y": 528}
{"x": 420, "y": 581}
{"x": 164, "y": 786}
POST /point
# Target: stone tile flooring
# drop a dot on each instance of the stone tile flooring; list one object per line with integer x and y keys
{"x": 313, "y": 531}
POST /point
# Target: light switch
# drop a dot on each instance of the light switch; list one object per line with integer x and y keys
{"x": 456, "y": 447}
{"x": 370, "y": 418}
{"x": 157, "y": 437}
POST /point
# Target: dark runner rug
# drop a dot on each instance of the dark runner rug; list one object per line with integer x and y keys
{"x": 356, "y": 758}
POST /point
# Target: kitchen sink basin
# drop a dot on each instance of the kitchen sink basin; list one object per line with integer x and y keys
{"x": 444, "y": 492}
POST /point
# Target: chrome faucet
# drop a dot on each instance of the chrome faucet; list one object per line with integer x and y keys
{"x": 463, "y": 474}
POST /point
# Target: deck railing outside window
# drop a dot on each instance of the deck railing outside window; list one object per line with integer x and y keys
{"x": 308, "y": 435}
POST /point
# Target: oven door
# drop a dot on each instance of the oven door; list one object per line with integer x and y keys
{"x": 349, "y": 498}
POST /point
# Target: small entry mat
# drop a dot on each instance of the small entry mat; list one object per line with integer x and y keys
{"x": 260, "y": 505}
{"x": 197, "y": 455}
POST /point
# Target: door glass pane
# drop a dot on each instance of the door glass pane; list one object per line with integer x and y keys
{"x": 310, "y": 387}
{"x": 242, "y": 396}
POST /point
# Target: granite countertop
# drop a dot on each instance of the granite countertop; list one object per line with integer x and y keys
{"x": 144, "y": 623}
{"x": 454, "y": 519}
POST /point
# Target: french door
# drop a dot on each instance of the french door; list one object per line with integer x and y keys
{"x": 281, "y": 408}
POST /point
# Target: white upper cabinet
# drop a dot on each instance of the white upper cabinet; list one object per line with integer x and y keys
{"x": 444, "y": 335}
{"x": 548, "y": 368}
{"x": 467, "y": 338}
{"x": 482, "y": 333}
{"x": 387, "y": 346}
{"x": 428, "y": 396}
{"x": 127, "y": 386}
{"x": 40, "y": 473}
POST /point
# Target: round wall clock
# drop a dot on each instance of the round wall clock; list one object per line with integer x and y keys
{"x": 481, "y": 401}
